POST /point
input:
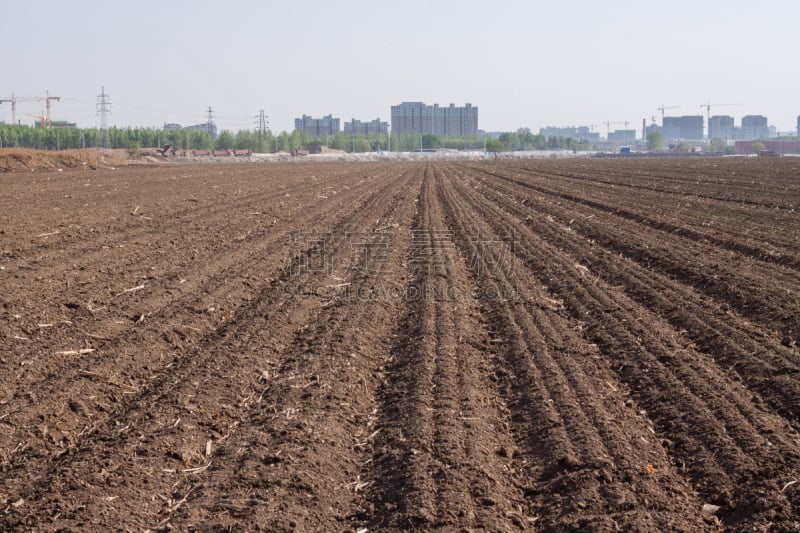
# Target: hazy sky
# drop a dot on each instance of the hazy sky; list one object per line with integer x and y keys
{"x": 524, "y": 63}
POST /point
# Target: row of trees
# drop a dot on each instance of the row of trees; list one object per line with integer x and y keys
{"x": 54, "y": 138}
{"x": 136, "y": 138}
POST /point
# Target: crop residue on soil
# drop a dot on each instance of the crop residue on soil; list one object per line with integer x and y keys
{"x": 500, "y": 346}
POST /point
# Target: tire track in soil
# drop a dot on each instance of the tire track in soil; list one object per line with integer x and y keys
{"x": 109, "y": 367}
{"x": 594, "y": 462}
{"x": 169, "y": 391}
{"x": 712, "y": 431}
{"x": 443, "y": 454}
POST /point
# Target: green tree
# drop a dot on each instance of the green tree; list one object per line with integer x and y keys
{"x": 242, "y": 140}
{"x": 510, "y": 141}
{"x": 199, "y": 140}
{"x": 410, "y": 142}
{"x": 431, "y": 141}
{"x": 225, "y": 140}
{"x": 340, "y": 142}
{"x": 757, "y": 147}
{"x": 494, "y": 146}
{"x": 363, "y": 144}
{"x": 717, "y": 146}
{"x": 539, "y": 142}
{"x": 133, "y": 148}
{"x": 655, "y": 140}
{"x": 10, "y": 137}
{"x": 283, "y": 142}
{"x": 299, "y": 139}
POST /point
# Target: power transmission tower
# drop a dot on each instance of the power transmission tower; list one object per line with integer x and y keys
{"x": 210, "y": 125}
{"x": 262, "y": 122}
{"x": 104, "y": 109}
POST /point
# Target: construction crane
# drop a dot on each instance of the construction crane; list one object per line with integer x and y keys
{"x": 50, "y": 99}
{"x": 14, "y": 99}
{"x": 708, "y": 111}
{"x": 664, "y": 108}
{"x": 608, "y": 124}
{"x": 41, "y": 116}
{"x": 4, "y": 100}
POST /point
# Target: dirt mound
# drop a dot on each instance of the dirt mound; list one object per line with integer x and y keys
{"x": 20, "y": 160}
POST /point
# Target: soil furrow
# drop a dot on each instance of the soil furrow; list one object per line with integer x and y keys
{"x": 312, "y": 426}
{"x": 718, "y": 459}
{"x": 179, "y": 392}
{"x": 201, "y": 304}
{"x": 593, "y": 455}
{"x": 678, "y": 219}
{"x": 736, "y": 343}
{"x": 442, "y": 458}
{"x": 504, "y": 345}
{"x": 717, "y": 182}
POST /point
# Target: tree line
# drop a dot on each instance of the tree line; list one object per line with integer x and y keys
{"x": 133, "y": 139}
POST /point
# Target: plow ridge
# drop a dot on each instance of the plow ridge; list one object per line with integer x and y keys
{"x": 505, "y": 346}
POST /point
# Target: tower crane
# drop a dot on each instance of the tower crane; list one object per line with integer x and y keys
{"x": 664, "y": 108}
{"x": 708, "y": 111}
{"x": 608, "y": 124}
{"x": 14, "y": 99}
{"x": 50, "y": 99}
{"x": 41, "y": 116}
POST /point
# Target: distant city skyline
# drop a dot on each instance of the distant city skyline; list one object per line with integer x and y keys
{"x": 525, "y": 64}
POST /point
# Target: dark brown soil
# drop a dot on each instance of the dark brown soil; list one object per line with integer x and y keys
{"x": 508, "y": 346}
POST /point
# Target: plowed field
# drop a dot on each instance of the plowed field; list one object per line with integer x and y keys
{"x": 495, "y": 346}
